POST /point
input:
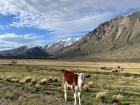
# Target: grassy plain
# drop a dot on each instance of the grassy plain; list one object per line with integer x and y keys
{"x": 126, "y": 82}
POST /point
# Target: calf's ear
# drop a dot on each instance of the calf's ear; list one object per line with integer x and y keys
{"x": 62, "y": 70}
{"x": 87, "y": 76}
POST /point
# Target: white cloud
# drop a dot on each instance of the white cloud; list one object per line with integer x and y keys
{"x": 10, "y": 37}
{"x": 11, "y": 40}
{"x": 65, "y": 17}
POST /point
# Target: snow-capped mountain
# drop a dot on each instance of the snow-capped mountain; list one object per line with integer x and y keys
{"x": 59, "y": 45}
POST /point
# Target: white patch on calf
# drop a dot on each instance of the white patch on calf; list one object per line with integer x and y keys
{"x": 81, "y": 79}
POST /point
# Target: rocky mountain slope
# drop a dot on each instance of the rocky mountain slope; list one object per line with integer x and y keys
{"x": 118, "y": 34}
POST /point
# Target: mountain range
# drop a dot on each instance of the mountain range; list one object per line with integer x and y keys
{"x": 47, "y": 51}
{"x": 117, "y": 39}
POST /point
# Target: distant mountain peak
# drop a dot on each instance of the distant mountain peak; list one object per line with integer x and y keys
{"x": 65, "y": 42}
{"x": 60, "y": 45}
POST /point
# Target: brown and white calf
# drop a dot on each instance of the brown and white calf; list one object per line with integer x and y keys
{"x": 75, "y": 81}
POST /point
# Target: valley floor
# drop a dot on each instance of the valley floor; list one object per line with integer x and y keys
{"x": 20, "y": 82}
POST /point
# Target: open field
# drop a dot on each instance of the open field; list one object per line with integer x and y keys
{"x": 20, "y": 82}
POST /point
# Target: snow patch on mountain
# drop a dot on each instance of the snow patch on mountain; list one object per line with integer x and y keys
{"x": 64, "y": 42}
{"x": 60, "y": 45}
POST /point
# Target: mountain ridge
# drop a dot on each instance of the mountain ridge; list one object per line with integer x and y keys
{"x": 47, "y": 51}
{"x": 120, "y": 32}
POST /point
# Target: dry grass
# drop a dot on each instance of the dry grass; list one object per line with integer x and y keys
{"x": 43, "y": 81}
{"x": 101, "y": 96}
{"x": 117, "y": 98}
{"x": 34, "y": 81}
{"x": 90, "y": 66}
{"x": 90, "y": 84}
{"x": 26, "y": 79}
{"x": 86, "y": 88}
{"x": 55, "y": 80}
{"x": 13, "y": 80}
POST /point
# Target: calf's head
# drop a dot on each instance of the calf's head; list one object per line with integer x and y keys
{"x": 81, "y": 79}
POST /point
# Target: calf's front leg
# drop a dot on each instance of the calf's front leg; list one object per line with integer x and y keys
{"x": 79, "y": 96}
{"x": 75, "y": 100}
{"x": 65, "y": 92}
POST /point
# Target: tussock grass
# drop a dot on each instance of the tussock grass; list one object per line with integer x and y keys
{"x": 50, "y": 79}
{"x": 26, "y": 79}
{"x": 55, "y": 80}
{"x": 43, "y": 81}
{"x": 90, "y": 84}
{"x": 102, "y": 97}
{"x": 34, "y": 81}
{"x": 86, "y": 88}
{"x": 117, "y": 98}
{"x": 12, "y": 80}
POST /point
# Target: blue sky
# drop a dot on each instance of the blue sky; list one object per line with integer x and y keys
{"x": 39, "y": 22}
